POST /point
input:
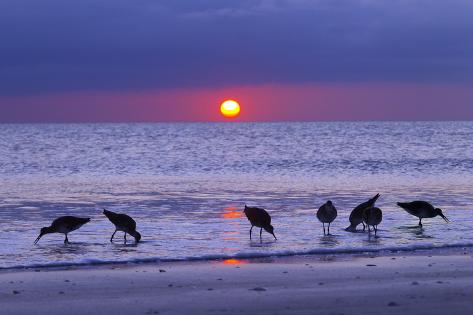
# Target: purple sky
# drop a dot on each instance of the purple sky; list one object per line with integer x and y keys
{"x": 175, "y": 60}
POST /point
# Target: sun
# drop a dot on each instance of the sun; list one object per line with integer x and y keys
{"x": 230, "y": 108}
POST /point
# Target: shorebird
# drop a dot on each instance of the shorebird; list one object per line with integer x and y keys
{"x": 63, "y": 225}
{"x": 327, "y": 214}
{"x": 122, "y": 223}
{"x": 372, "y": 216}
{"x": 356, "y": 216}
{"x": 260, "y": 218}
{"x": 422, "y": 209}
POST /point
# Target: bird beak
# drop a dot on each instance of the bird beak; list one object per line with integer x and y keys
{"x": 275, "y": 237}
{"x": 445, "y": 218}
{"x": 37, "y": 240}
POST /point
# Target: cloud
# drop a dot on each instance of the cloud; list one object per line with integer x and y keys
{"x": 56, "y": 45}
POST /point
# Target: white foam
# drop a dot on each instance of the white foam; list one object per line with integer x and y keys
{"x": 242, "y": 255}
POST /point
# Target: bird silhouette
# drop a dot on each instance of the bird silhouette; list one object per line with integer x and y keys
{"x": 327, "y": 213}
{"x": 422, "y": 210}
{"x": 260, "y": 218}
{"x": 122, "y": 223}
{"x": 64, "y": 225}
{"x": 356, "y": 216}
{"x": 372, "y": 217}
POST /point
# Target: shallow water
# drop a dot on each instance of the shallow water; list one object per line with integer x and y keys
{"x": 186, "y": 186}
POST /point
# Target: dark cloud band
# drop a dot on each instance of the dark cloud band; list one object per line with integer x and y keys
{"x": 56, "y": 45}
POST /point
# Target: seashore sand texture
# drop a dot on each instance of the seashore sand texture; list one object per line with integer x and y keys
{"x": 424, "y": 283}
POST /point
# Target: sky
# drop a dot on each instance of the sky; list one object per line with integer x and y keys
{"x": 176, "y": 60}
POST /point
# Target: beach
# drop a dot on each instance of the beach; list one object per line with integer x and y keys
{"x": 236, "y": 157}
{"x": 424, "y": 283}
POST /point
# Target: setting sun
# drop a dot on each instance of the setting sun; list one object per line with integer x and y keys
{"x": 230, "y": 108}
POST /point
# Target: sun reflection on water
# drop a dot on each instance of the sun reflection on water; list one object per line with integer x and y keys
{"x": 232, "y": 212}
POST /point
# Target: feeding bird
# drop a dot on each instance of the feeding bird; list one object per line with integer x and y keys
{"x": 356, "y": 216}
{"x": 122, "y": 223}
{"x": 260, "y": 218}
{"x": 372, "y": 216}
{"x": 63, "y": 225}
{"x": 327, "y": 213}
{"x": 422, "y": 209}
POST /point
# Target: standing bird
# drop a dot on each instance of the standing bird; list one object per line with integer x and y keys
{"x": 327, "y": 214}
{"x": 122, "y": 223}
{"x": 372, "y": 216}
{"x": 260, "y": 218}
{"x": 422, "y": 209}
{"x": 356, "y": 216}
{"x": 64, "y": 225}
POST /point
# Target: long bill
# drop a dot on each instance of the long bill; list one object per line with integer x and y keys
{"x": 445, "y": 218}
{"x": 275, "y": 237}
{"x": 37, "y": 240}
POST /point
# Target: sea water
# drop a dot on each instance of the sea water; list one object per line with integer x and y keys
{"x": 186, "y": 185}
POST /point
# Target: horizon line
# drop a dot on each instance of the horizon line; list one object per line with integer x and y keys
{"x": 228, "y": 122}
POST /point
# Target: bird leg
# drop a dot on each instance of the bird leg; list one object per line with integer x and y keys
{"x": 66, "y": 240}
{"x": 124, "y": 236}
{"x": 251, "y": 231}
{"x": 111, "y": 239}
{"x": 261, "y": 234}
{"x": 323, "y": 224}
{"x": 328, "y": 229}
{"x": 364, "y": 227}
{"x": 375, "y": 230}
{"x": 420, "y": 222}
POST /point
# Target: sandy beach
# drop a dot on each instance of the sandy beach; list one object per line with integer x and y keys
{"x": 416, "y": 284}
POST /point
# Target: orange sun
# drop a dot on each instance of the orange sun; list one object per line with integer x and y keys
{"x": 230, "y": 108}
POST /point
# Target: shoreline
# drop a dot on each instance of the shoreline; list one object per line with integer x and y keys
{"x": 422, "y": 283}
{"x": 344, "y": 255}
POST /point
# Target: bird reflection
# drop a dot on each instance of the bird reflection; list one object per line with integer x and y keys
{"x": 262, "y": 243}
{"x": 329, "y": 241}
{"x": 373, "y": 240}
{"x": 57, "y": 250}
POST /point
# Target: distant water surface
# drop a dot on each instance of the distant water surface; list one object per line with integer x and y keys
{"x": 186, "y": 186}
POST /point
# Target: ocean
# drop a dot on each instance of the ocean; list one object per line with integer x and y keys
{"x": 186, "y": 185}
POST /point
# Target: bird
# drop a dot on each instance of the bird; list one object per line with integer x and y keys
{"x": 422, "y": 209}
{"x": 260, "y": 218}
{"x": 122, "y": 223}
{"x": 327, "y": 213}
{"x": 372, "y": 216}
{"x": 64, "y": 225}
{"x": 356, "y": 216}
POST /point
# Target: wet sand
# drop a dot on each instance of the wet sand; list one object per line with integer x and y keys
{"x": 418, "y": 284}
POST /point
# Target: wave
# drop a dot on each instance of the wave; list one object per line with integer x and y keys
{"x": 243, "y": 255}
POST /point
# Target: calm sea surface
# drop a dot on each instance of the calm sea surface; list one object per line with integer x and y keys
{"x": 186, "y": 186}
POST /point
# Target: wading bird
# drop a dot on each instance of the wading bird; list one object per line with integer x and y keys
{"x": 372, "y": 217}
{"x": 422, "y": 209}
{"x": 64, "y": 225}
{"x": 356, "y": 216}
{"x": 327, "y": 213}
{"x": 122, "y": 223}
{"x": 260, "y": 218}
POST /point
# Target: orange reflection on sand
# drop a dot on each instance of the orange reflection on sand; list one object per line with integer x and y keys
{"x": 232, "y": 213}
{"x": 233, "y": 261}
